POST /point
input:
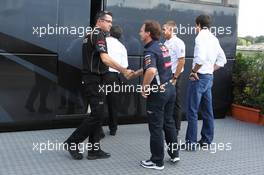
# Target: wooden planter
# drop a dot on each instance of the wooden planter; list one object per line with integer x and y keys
{"x": 246, "y": 114}
{"x": 261, "y": 119}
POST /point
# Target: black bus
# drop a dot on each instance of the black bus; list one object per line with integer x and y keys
{"x": 40, "y": 55}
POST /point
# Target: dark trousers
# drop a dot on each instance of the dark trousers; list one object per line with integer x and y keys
{"x": 91, "y": 126}
{"x": 200, "y": 96}
{"x": 111, "y": 79}
{"x": 160, "y": 118}
{"x": 178, "y": 106}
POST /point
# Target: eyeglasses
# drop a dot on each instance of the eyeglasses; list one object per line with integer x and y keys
{"x": 106, "y": 20}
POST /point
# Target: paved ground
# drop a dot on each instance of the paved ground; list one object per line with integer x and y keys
{"x": 130, "y": 145}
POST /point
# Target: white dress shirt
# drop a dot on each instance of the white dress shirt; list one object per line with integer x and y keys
{"x": 207, "y": 52}
{"x": 117, "y": 51}
{"x": 177, "y": 50}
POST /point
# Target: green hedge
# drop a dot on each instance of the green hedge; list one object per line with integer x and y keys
{"x": 248, "y": 80}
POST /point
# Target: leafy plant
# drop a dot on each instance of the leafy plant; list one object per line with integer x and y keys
{"x": 248, "y": 80}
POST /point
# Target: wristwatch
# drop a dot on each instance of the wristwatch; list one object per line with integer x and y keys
{"x": 193, "y": 71}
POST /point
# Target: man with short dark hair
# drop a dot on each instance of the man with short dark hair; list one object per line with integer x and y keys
{"x": 208, "y": 57}
{"x": 177, "y": 52}
{"x": 96, "y": 63}
{"x": 118, "y": 52}
{"x": 160, "y": 94}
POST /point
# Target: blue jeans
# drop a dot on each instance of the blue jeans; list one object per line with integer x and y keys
{"x": 160, "y": 117}
{"x": 200, "y": 97}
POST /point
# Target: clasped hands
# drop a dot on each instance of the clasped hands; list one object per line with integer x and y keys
{"x": 130, "y": 74}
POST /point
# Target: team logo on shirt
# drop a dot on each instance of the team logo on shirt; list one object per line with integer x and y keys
{"x": 166, "y": 56}
{"x": 167, "y": 64}
{"x": 102, "y": 48}
{"x": 165, "y": 51}
{"x": 147, "y": 60}
{"x": 101, "y": 42}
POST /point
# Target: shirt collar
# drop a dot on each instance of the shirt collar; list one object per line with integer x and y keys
{"x": 149, "y": 44}
{"x": 205, "y": 29}
{"x": 174, "y": 37}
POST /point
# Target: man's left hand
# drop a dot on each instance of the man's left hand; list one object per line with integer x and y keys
{"x": 193, "y": 76}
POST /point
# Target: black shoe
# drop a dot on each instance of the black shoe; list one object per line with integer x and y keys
{"x": 30, "y": 108}
{"x": 75, "y": 153}
{"x": 113, "y": 132}
{"x": 100, "y": 154}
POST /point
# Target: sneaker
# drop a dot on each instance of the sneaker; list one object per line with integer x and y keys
{"x": 151, "y": 165}
{"x": 100, "y": 154}
{"x": 175, "y": 159}
{"x": 75, "y": 153}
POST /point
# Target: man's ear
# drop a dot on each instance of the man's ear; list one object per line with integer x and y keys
{"x": 172, "y": 29}
{"x": 148, "y": 33}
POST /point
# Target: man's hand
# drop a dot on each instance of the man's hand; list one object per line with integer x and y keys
{"x": 128, "y": 73}
{"x": 193, "y": 76}
{"x": 145, "y": 91}
{"x": 135, "y": 74}
{"x": 174, "y": 81}
{"x": 131, "y": 76}
{"x": 216, "y": 67}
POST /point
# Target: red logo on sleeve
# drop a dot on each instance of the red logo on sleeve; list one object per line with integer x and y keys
{"x": 100, "y": 42}
{"x": 168, "y": 64}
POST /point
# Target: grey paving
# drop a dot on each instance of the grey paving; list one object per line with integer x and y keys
{"x": 129, "y": 146}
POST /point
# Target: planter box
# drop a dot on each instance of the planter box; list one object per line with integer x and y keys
{"x": 261, "y": 119}
{"x": 245, "y": 113}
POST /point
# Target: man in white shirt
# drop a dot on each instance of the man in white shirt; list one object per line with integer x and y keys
{"x": 208, "y": 57}
{"x": 118, "y": 52}
{"x": 177, "y": 52}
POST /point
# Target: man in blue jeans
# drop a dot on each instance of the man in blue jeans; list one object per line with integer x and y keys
{"x": 208, "y": 57}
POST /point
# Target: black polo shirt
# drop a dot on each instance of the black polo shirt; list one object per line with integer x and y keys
{"x": 94, "y": 44}
{"x": 157, "y": 55}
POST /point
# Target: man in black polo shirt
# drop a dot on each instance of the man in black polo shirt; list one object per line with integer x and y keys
{"x": 96, "y": 63}
{"x": 160, "y": 96}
